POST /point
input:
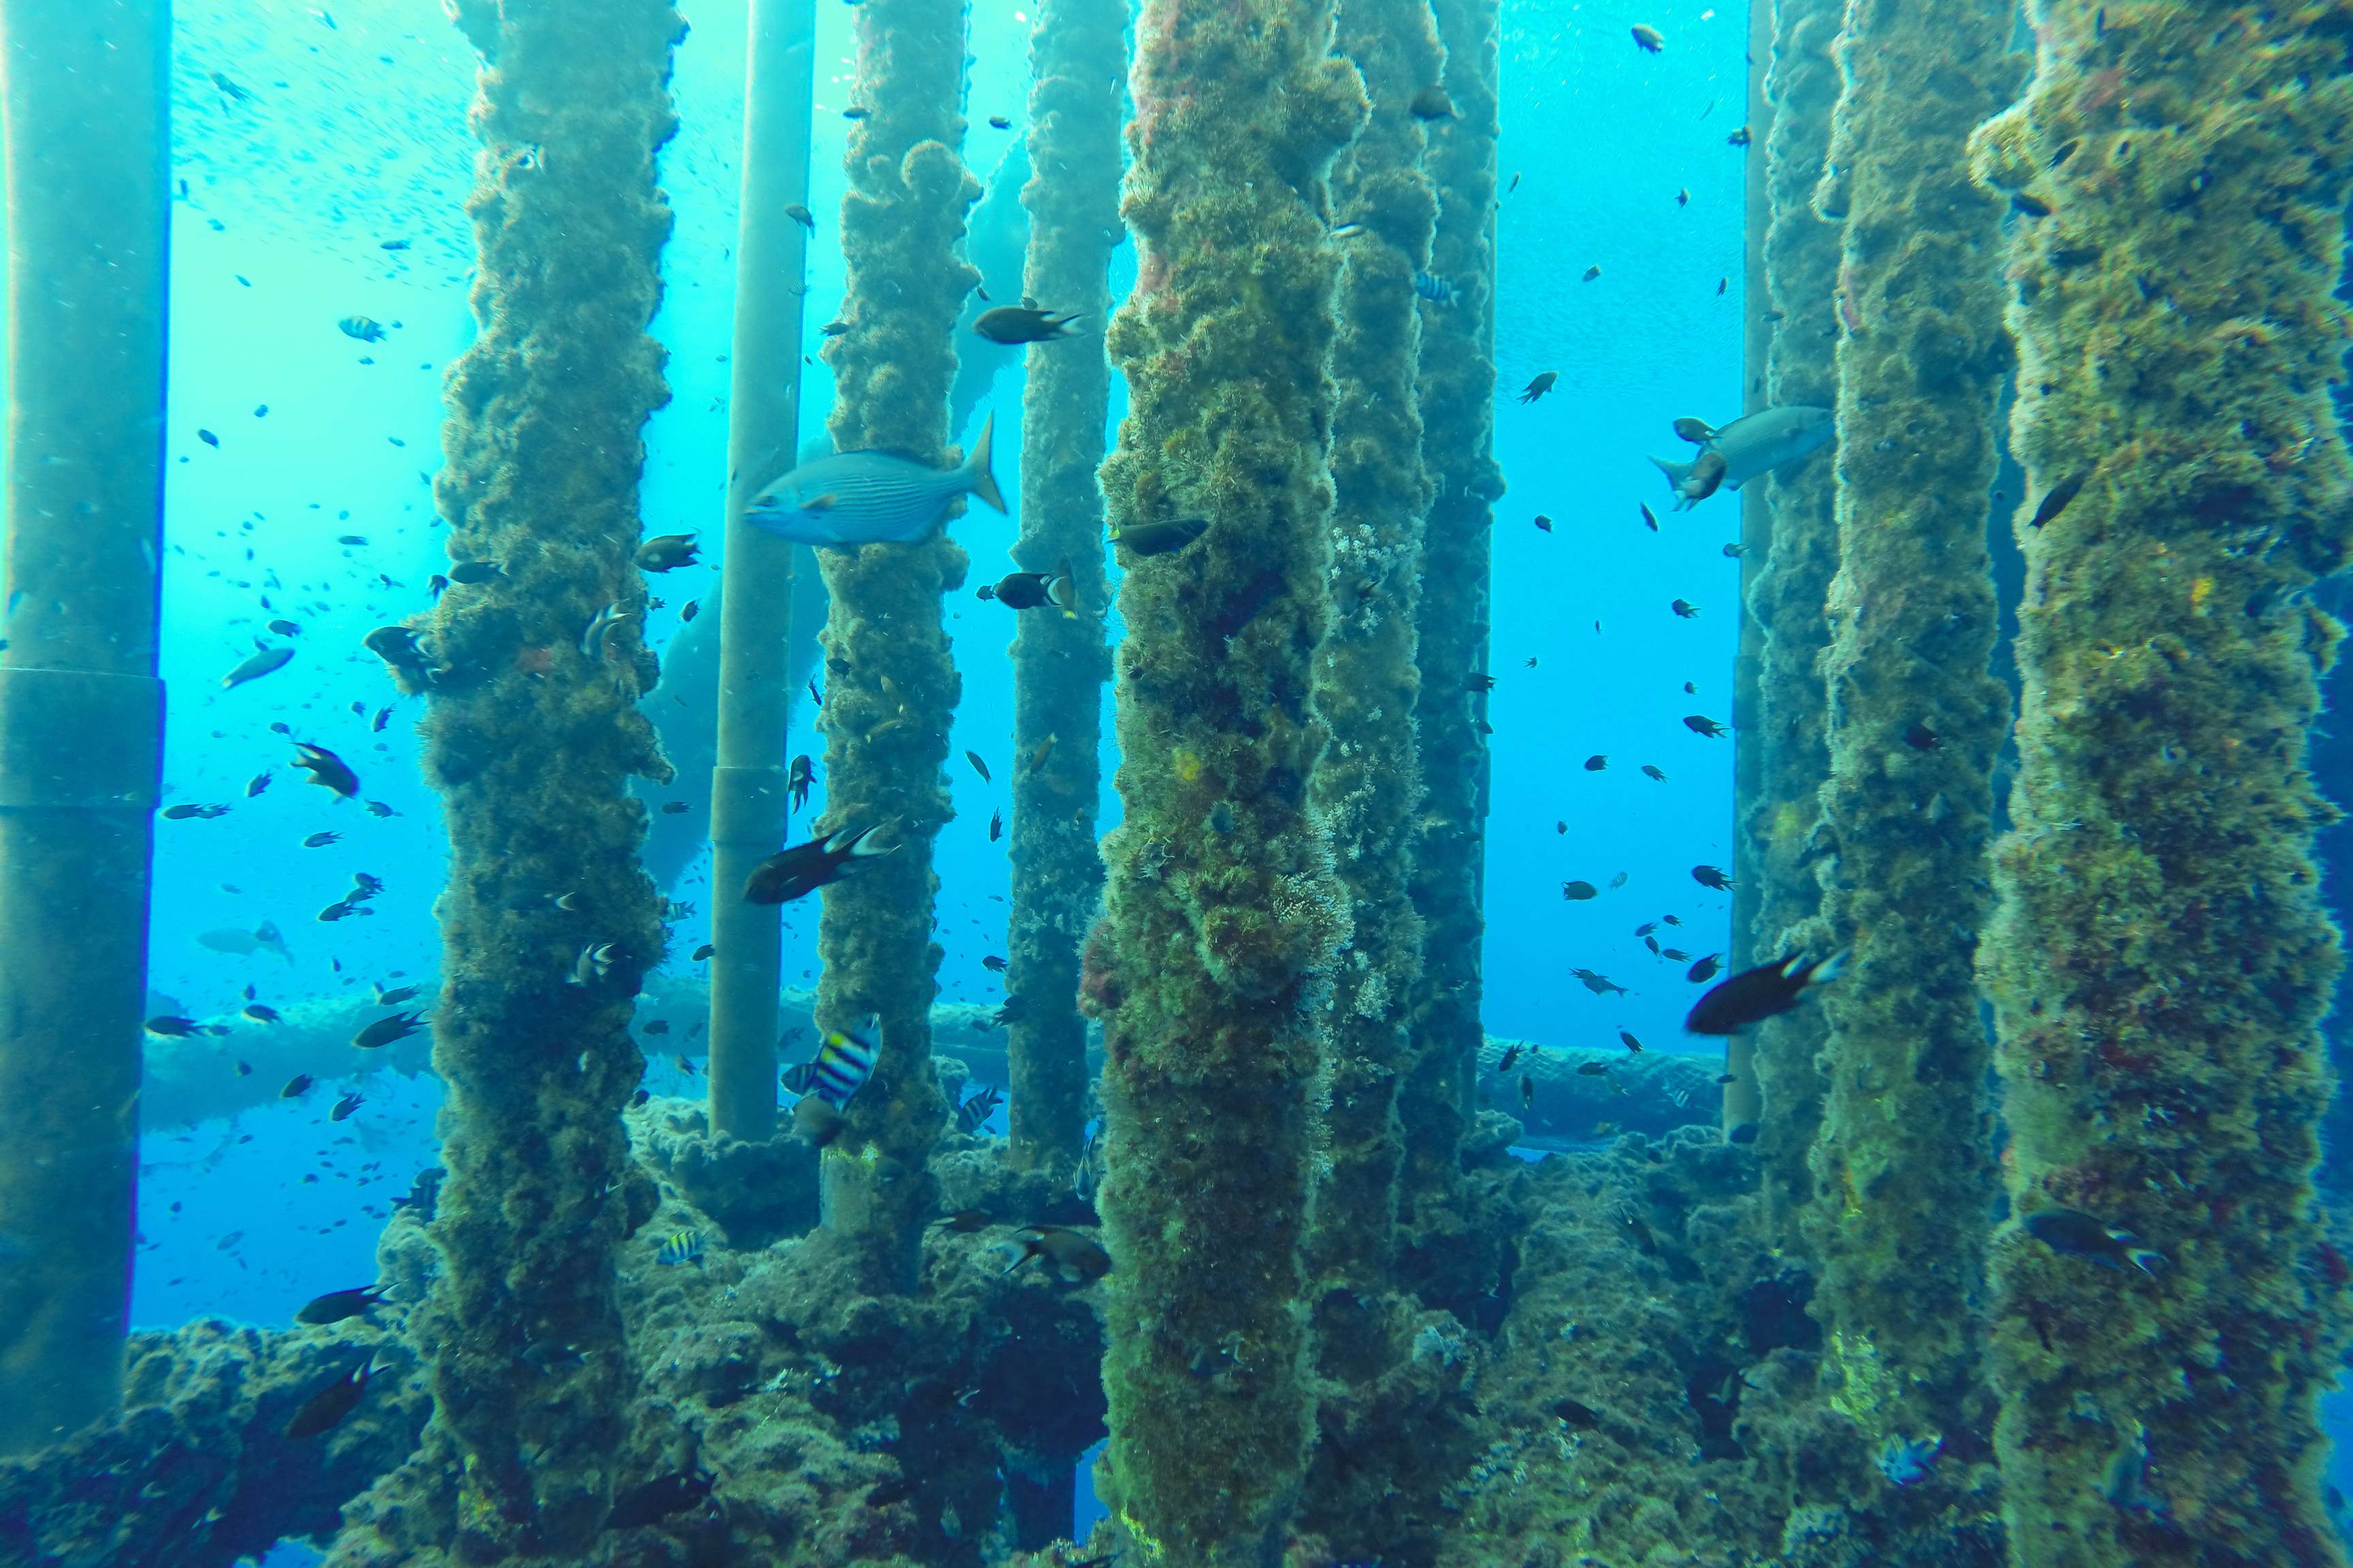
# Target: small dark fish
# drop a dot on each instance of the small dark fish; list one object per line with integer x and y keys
{"x": 384, "y": 1031}
{"x": 967, "y": 1222}
{"x": 172, "y": 1026}
{"x": 1685, "y": 609}
{"x": 1650, "y": 772}
{"x": 2080, "y": 1234}
{"x": 1163, "y": 537}
{"x": 1431, "y": 103}
{"x": 1544, "y": 524}
{"x": 1921, "y": 738}
{"x": 1683, "y": 196}
{"x": 259, "y": 1012}
{"x": 1739, "y": 138}
{"x": 650, "y": 1502}
{"x": 1576, "y": 892}
{"x": 1698, "y": 432}
{"x": 296, "y": 1087}
{"x": 973, "y": 1113}
{"x": 802, "y": 869}
{"x": 1704, "y": 970}
{"x": 1650, "y": 518}
{"x": 705, "y": 951}
{"x": 1649, "y": 39}
{"x": 675, "y": 809}
{"x": 2031, "y": 205}
{"x": 1714, "y": 877}
{"x": 977, "y": 765}
{"x": 1701, "y": 725}
{"x": 1598, "y": 762}
{"x": 1527, "y": 1090}
{"x": 1592, "y": 273}
{"x": 1764, "y": 992}
{"x": 392, "y": 244}
{"x": 691, "y": 609}
{"x": 1723, "y": 1078}
{"x": 798, "y": 777}
{"x": 661, "y": 1027}
{"x": 1012, "y": 324}
{"x": 365, "y": 329}
{"x": 857, "y": 112}
{"x": 320, "y": 840}
{"x": 229, "y": 88}
{"x": 802, "y": 216}
{"x": 1073, "y": 1256}
{"x": 1599, "y": 985}
{"x": 993, "y": 963}
{"x": 1591, "y": 1069}
{"x": 327, "y": 769}
{"x": 285, "y": 628}
{"x": 260, "y": 664}
{"x": 1577, "y": 1417}
{"x": 337, "y": 1305}
{"x": 345, "y": 1106}
{"x": 1542, "y": 384}
{"x": 666, "y": 553}
{"x": 351, "y": 539}
{"x": 1630, "y": 1042}
{"x": 995, "y": 826}
{"x": 2055, "y": 499}
{"x": 377, "y": 808}
{"x": 475, "y": 572}
{"x": 325, "y": 1410}
{"x": 1482, "y": 681}
{"x": 1510, "y": 1055}
{"x": 194, "y": 813}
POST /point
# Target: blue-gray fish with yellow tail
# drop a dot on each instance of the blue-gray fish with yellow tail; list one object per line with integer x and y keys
{"x": 1751, "y": 444}
{"x": 870, "y": 498}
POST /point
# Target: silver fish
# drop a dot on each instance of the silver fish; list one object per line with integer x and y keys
{"x": 870, "y": 498}
{"x": 263, "y": 938}
{"x": 592, "y": 641}
{"x": 1755, "y": 444}
{"x": 263, "y": 661}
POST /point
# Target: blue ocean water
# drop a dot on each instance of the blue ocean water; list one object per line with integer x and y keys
{"x": 355, "y": 139}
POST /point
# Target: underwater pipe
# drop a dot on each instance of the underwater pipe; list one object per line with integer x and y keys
{"x": 1077, "y": 62}
{"x": 748, "y": 799}
{"x": 1366, "y": 790}
{"x": 2160, "y": 959}
{"x": 1223, "y": 915}
{"x": 1456, "y": 390}
{"x": 532, "y": 734}
{"x": 886, "y": 716}
{"x": 1787, "y": 523}
{"x": 88, "y": 105}
{"x": 1903, "y": 1162}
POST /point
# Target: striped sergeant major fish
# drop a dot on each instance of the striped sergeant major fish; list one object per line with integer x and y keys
{"x": 871, "y": 498}
{"x": 680, "y": 1247}
{"x": 843, "y": 1065}
{"x": 1436, "y": 290}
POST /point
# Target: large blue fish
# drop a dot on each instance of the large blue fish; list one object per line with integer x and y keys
{"x": 1751, "y": 444}
{"x": 870, "y": 498}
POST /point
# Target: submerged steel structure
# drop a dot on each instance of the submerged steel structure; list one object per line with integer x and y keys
{"x": 85, "y": 89}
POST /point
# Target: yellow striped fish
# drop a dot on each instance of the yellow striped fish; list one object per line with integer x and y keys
{"x": 685, "y": 1246}
{"x": 842, "y": 1066}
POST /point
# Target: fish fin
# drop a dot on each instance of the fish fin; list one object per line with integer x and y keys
{"x": 1676, "y": 473}
{"x": 977, "y": 478}
{"x": 1829, "y": 968}
{"x": 1061, "y": 590}
{"x": 857, "y": 846}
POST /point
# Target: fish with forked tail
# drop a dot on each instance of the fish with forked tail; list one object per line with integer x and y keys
{"x": 1751, "y": 444}
{"x": 871, "y": 498}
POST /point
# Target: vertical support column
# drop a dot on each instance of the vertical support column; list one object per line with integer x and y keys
{"x": 1215, "y": 962}
{"x": 1078, "y": 61}
{"x": 1903, "y": 1163}
{"x": 1456, "y": 391}
{"x": 894, "y": 686}
{"x": 2160, "y": 959}
{"x": 748, "y": 807}
{"x": 88, "y": 105}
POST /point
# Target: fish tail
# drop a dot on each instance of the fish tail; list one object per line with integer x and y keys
{"x": 1676, "y": 473}
{"x": 859, "y": 847}
{"x": 1829, "y": 968}
{"x": 1061, "y": 591}
{"x": 977, "y": 477}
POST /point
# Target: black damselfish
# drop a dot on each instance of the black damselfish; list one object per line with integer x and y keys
{"x": 1755, "y": 995}
{"x": 797, "y": 872}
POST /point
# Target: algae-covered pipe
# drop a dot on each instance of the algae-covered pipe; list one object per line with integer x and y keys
{"x": 2160, "y": 959}
{"x": 1903, "y": 1162}
{"x": 1213, "y": 964}
{"x": 1077, "y": 61}
{"x": 1366, "y": 787}
{"x": 1792, "y": 552}
{"x": 894, "y": 687}
{"x": 1457, "y": 394}
{"x": 531, "y": 735}
{"x": 748, "y": 804}
{"x": 88, "y": 106}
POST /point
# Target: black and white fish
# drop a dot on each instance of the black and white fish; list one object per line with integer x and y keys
{"x": 802, "y": 869}
{"x": 974, "y": 1113}
{"x": 594, "y": 962}
{"x": 1755, "y": 995}
{"x": 592, "y": 641}
{"x": 841, "y": 1067}
{"x": 1436, "y": 290}
{"x": 2080, "y": 1234}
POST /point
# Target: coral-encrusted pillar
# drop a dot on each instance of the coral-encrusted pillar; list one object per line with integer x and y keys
{"x": 2160, "y": 959}
{"x": 1213, "y": 967}
{"x": 894, "y": 688}
{"x": 531, "y": 738}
